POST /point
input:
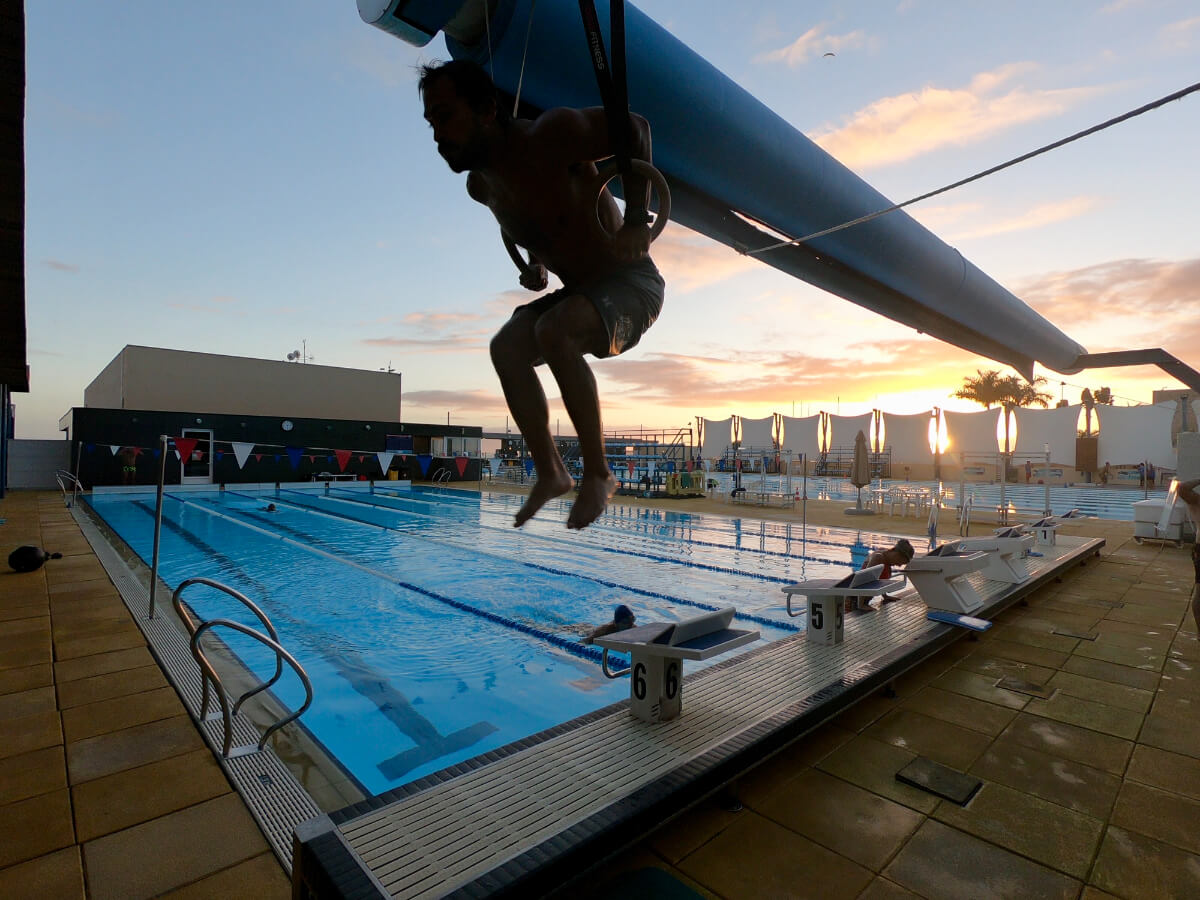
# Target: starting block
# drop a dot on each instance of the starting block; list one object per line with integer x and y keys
{"x": 940, "y": 578}
{"x": 1005, "y": 551}
{"x": 827, "y": 599}
{"x": 657, "y": 652}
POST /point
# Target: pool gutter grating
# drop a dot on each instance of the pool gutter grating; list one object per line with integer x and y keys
{"x": 276, "y": 800}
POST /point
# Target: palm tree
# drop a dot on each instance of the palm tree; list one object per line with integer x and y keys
{"x": 1026, "y": 393}
{"x": 988, "y": 388}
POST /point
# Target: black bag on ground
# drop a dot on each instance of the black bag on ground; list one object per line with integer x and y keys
{"x": 30, "y": 559}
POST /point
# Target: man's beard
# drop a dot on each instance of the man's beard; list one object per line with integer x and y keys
{"x": 468, "y": 157}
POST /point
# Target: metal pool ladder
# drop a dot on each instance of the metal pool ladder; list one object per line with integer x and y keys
{"x": 198, "y": 628}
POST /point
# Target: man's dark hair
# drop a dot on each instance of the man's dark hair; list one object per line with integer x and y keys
{"x": 471, "y": 82}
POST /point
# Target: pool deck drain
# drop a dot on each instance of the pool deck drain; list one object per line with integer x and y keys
{"x": 74, "y": 679}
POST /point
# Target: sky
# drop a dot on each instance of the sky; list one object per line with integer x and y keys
{"x": 256, "y": 178}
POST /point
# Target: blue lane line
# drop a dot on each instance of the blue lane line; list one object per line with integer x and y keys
{"x": 749, "y": 617}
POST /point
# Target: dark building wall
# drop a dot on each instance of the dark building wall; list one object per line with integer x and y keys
{"x": 93, "y": 432}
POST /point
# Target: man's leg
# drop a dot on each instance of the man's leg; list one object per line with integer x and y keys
{"x": 514, "y": 351}
{"x": 564, "y": 333}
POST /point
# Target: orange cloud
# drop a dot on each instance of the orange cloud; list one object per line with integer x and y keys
{"x": 689, "y": 261}
{"x": 1038, "y": 216}
{"x": 898, "y": 128}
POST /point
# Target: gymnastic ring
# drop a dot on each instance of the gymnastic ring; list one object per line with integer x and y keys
{"x": 608, "y": 170}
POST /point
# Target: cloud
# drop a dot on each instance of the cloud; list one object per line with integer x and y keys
{"x": 1181, "y": 35}
{"x": 1043, "y": 214}
{"x": 459, "y": 343}
{"x": 459, "y": 402}
{"x": 1122, "y": 304}
{"x": 60, "y": 266}
{"x": 899, "y": 128}
{"x": 813, "y": 43}
{"x": 372, "y": 56}
{"x": 439, "y": 321}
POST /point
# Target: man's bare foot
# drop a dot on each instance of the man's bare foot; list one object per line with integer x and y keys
{"x": 545, "y": 489}
{"x": 594, "y": 492}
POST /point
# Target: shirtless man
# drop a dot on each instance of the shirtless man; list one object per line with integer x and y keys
{"x": 1186, "y": 491}
{"x": 537, "y": 177}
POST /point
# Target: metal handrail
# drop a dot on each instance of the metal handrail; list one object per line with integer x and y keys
{"x": 63, "y": 477}
{"x": 211, "y": 673}
{"x": 964, "y": 514}
{"x": 194, "y": 625}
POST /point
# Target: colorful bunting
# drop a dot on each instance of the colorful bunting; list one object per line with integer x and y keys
{"x": 343, "y": 457}
{"x": 460, "y": 463}
{"x": 241, "y": 452}
{"x": 385, "y": 460}
{"x": 184, "y": 447}
{"x": 529, "y": 467}
{"x": 423, "y": 460}
{"x": 294, "y": 454}
{"x": 115, "y": 448}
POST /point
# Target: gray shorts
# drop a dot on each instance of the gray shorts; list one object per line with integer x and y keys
{"x": 628, "y": 299}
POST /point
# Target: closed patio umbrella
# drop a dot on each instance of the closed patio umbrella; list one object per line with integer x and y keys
{"x": 860, "y": 472}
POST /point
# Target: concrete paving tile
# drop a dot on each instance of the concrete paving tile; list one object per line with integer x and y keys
{"x": 1165, "y": 734}
{"x": 1043, "y": 831}
{"x": 96, "y": 588}
{"x": 847, "y": 819}
{"x": 260, "y": 877}
{"x": 1107, "y": 671}
{"x": 1180, "y": 676}
{"x": 996, "y": 667}
{"x": 697, "y": 828}
{"x": 866, "y": 712}
{"x": 873, "y": 765}
{"x": 86, "y": 721}
{"x": 943, "y": 863}
{"x": 112, "y": 684}
{"x": 760, "y": 783}
{"x": 35, "y": 826}
{"x": 129, "y": 748}
{"x": 57, "y": 875}
{"x": 199, "y": 841}
{"x": 981, "y": 687}
{"x": 720, "y": 864}
{"x": 966, "y": 712}
{"x": 33, "y": 732}
{"x": 96, "y": 626}
{"x": 939, "y": 740}
{"x": 613, "y": 881}
{"x": 30, "y": 607}
{"x": 1122, "y": 656}
{"x": 1162, "y": 815}
{"x": 26, "y": 655}
{"x": 17, "y": 629}
{"x": 127, "y": 798}
{"x": 1071, "y": 784}
{"x": 1088, "y": 714}
{"x": 1119, "y": 695}
{"x": 882, "y": 889}
{"x": 103, "y": 644}
{"x": 25, "y": 678}
{"x": 1028, "y": 654}
{"x": 1110, "y": 626}
{"x": 33, "y": 773}
{"x": 1092, "y": 893}
{"x": 1168, "y": 771}
{"x": 1035, "y": 637}
{"x": 102, "y": 663}
{"x": 1061, "y": 739}
{"x": 1132, "y": 865}
{"x": 1111, "y": 637}
{"x": 1142, "y": 616}
{"x": 26, "y": 703}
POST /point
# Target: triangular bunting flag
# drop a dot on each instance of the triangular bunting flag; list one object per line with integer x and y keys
{"x": 185, "y": 446}
{"x": 294, "y": 454}
{"x": 362, "y": 457}
{"x": 90, "y": 447}
{"x": 423, "y": 460}
{"x": 460, "y": 463}
{"x": 137, "y": 451}
{"x": 494, "y": 464}
{"x": 220, "y": 454}
{"x": 529, "y": 467}
{"x": 115, "y": 448}
{"x": 385, "y": 460}
{"x": 241, "y": 452}
{"x": 343, "y": 457}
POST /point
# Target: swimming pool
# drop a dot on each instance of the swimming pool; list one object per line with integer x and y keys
{"x": 434, "y": 631}
{"x": 1114, "y": 503}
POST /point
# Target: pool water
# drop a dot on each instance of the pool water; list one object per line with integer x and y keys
{"x": 433, "y": 630}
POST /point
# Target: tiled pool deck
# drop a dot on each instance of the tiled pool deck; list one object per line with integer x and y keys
{"x": 107, "y": 790}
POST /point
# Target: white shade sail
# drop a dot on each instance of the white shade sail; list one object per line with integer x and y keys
{"x": 908, "y": 438}
{"x": 802, "y": 435}
{"x": 717, "y": 437}
{"x": 1131, "y": 434}
{"x": 844, "y": 428}
{"x": 1056, "y": 427}
{"x": 758, "y": 434}
{"x": 973, "y": 432}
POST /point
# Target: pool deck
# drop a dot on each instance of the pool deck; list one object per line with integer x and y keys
{"x": 107, "y": 789}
